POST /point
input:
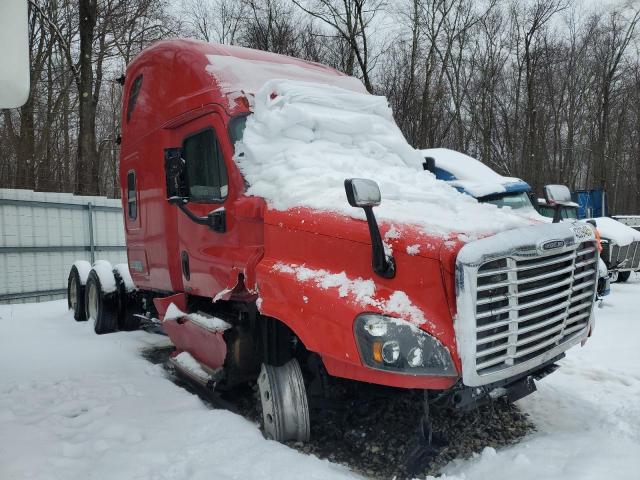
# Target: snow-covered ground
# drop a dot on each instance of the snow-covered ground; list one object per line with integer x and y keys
{"x": 74, "y": 405}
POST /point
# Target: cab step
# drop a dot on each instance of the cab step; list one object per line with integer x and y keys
{"x": 185, "y": 364}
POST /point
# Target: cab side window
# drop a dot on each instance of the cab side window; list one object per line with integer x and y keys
{"x": 133, "y": 96}
{"x": 205, "y": 169}
{"x": 132, "y": 199}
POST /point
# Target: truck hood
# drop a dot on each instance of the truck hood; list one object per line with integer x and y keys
{"x": 399, "y": 238}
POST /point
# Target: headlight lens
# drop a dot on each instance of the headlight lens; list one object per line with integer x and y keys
{"x": 392, "y": 344}
{"x": 390, "y": 352}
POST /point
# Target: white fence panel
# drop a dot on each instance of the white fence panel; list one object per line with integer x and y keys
{"x": 42, "y": 234}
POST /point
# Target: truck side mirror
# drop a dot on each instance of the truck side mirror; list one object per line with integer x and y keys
{"x": 429, "y": 164}
{"x": 175, "y": 170}
{"x": 365, "y": 194}
{"x": 557, "y": 194}
{"x": 362, "y": 192}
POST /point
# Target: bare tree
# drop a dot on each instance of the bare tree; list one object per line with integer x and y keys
{"x": 351, "y": 20}
{"x": 215, "y": 20}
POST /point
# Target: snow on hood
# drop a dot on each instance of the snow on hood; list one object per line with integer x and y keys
{"x": 471, "y": 175}
{"x": 305, "y": 139}
{"x": 616, "y": 231}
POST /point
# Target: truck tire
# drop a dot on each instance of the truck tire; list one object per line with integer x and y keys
{"x": 623, "y": 276}
{"x": 75, "y": 295}
{"x": 101, "y": 307}
{"x": 283, "y": 398}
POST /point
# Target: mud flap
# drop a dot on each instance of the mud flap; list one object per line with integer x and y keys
{"x": 162, "y": 303}
{"x": 521, "y": 388}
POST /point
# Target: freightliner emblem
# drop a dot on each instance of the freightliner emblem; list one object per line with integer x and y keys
{"x": 553, "y": 244}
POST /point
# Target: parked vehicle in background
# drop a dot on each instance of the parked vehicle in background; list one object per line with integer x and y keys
{"x": 474, "y": 178}
{"x": 253, "y": 244}
{"x": 592, "y": 203}
{"x": 632, "y": 221}
{"x": 620, "y": 248}
{"x": 565, "y": 212}
{"x": 620, "y": 243}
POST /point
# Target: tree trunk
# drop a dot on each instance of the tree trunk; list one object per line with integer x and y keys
{"x": 86, "y": 172}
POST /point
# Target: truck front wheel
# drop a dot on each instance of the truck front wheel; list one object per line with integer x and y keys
{"x": 100, "y": 307}
{"x": 283, "y": 398}
{"x": 623, "y": 276}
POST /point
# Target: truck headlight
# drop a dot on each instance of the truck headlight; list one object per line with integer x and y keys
{"x": 392, "y": 344}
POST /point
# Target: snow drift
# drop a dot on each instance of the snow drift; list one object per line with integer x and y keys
{"x": 305, "y": 139}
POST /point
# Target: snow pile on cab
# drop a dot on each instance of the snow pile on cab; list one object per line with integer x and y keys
{"x": 305, "y": 139}
{"x": 237, "y": 76}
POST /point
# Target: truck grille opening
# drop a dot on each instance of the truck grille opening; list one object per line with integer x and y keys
{"x": 526, "y": 307}
{"x": 626, "y": 257}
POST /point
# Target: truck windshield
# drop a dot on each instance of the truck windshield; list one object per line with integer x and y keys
{"x": 570, "y": 213}
{"x": 516, "y": 200}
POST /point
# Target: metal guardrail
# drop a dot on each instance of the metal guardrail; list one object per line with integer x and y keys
{"x": 40, "y": 293}
{"x": 92, "y": 248}
{"x": 64, "y": 206}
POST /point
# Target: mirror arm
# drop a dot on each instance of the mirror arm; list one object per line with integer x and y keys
{"x": 383, "y": 265}
{"x": 216, "y": 221}
{"x": 193, "y": 217}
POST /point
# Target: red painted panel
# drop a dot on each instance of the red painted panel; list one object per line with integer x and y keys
{"x": 205, "y": 346}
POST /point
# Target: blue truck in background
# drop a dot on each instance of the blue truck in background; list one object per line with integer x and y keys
{"x": 620, "y": 242}
{"x": 591, "y": 203}
{"x": 470, "y": 176}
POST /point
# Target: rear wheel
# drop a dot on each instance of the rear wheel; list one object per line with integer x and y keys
{"x": 100, "y": 307}
{"x": 75, "y": 295}
{"x": 283, "y": 398}
{"x": 623, "y": 276}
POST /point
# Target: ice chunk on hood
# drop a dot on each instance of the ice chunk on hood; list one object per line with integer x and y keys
{"x": 305, "y": 139}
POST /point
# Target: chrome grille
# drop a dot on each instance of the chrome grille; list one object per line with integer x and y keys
{"x": 526, "y": 307}
{"x": 624, "y": 258}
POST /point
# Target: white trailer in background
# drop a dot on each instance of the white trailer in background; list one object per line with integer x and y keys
{"x": 42, "y": 234}
{"x": 632, "y": 221}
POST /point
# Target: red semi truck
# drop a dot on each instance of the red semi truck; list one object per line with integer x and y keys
{"x": 295, "y": 297}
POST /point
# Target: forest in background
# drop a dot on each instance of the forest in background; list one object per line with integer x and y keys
{"x": 548, "y": 91}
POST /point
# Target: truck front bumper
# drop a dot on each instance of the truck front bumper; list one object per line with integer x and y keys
{"x": 462, "y": 397}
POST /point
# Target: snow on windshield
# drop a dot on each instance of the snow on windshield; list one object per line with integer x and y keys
{"x": 305, "y": 139}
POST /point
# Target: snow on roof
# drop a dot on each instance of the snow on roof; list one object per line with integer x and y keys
{"x": 236, "y": 75}
{"x": 473, "y": 176}
{"x": 303, "y": 142}
{"x": 618, "y": 232}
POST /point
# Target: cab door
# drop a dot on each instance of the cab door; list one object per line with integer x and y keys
{"x": 204, "y": 253}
